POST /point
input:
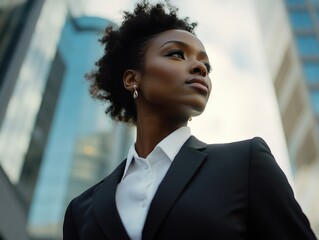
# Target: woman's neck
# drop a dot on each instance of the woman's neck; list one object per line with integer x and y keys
{"x": 150, "y": 131}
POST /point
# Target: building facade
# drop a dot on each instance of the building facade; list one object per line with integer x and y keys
{"x": 13, "y": 212}
{"x": 304, "y": 20}
{"x": 29, "y": 76}
{"x": 18, "y": 20}
{"x": 81, "y": 147}
{"x": 291, "y": 49}
{"x": 55, "y": 141}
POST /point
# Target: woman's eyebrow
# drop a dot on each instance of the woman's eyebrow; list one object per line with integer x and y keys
{"x": 185, "y": 45}
{"x": 176, "y": 42}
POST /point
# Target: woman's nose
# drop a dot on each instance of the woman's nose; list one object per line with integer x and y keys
{"x": 199, "y": 68}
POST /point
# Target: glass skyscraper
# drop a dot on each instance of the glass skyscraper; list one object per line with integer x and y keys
{"x": 290, "y": 34}
{"x": 26, "y": 94}
{"x": 55, "y": 141}
{"x": 83, "y": 142}
{"x": 304, "y": 19}
{"x": 29, "y": 33}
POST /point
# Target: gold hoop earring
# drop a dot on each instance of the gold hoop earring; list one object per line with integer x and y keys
{"x": 135, "y": 93}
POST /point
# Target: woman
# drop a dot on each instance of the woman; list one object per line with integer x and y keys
{"x": 155, "y": 74}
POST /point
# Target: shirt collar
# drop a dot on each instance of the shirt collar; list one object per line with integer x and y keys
{"x": 170, "y": 145}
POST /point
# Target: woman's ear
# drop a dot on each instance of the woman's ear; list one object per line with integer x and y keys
{"x": 130, "y": 78}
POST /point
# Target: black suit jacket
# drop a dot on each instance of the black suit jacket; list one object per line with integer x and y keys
{"x": 231, "y": 191}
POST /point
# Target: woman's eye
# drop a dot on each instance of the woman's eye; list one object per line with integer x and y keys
{"x": 176, "y": 53}
{"x": 208, "y": 67}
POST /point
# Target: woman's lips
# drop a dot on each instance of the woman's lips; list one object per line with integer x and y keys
{"x": 198, "y": 83}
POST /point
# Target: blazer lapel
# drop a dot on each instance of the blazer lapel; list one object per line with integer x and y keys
{"x": 184, "y": 166}
{"x": 104, "y": 206}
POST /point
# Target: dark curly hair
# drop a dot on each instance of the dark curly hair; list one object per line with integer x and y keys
{"x": 125, "y": 49}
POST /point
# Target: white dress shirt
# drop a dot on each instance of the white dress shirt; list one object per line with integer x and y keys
{"x": 141, "y": 179}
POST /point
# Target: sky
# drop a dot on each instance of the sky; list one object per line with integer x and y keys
{"x": 242, "y": 103}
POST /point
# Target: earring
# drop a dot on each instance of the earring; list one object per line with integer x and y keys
{"x": 135, "y": 93}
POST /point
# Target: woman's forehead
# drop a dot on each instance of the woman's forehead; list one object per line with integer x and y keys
{"x": 177, "y": 36}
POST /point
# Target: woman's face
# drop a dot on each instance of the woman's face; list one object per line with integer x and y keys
{"x": 175, "y": 80}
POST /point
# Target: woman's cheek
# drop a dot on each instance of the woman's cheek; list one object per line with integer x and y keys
{"x": 169, "y": 75}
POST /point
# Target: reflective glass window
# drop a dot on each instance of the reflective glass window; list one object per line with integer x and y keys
{"x": 294, "y": 2}
{"x": 308, "y": 45}
{"x": 314, "y": 97}
{"x": 12, "y": 18}
{"x": 300, "y": 20}
{"x": 311, "y": 71}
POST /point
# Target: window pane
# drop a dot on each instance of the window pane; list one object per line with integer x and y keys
{"x": 294, "y": 2}
{"x": 314, "y": 97}
{"x": 308, "y": 45}
{"x": 12, "y": 19}
{"x": 300, "y": 20}
{"x": 311, "y": 71}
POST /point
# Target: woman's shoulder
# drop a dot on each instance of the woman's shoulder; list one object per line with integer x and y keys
{"x": 247, "y": 145}
{"x": 242, "y": 142}
{"x": 248, "y": 154}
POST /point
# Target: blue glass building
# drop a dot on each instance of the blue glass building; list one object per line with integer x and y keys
{"x": 304, "y": 19}
{"x": 29, "y": 33}
{"x": 83, "y": 144}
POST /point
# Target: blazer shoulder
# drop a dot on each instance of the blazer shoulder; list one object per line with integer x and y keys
{"x": 245, "y": 145}
{"x": 255, "y": 142}
{"x": 242, "y": 153}
{"x": 244, "y": 142}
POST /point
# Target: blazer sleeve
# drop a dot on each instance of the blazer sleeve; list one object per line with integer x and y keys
{"x": 274, "y": 213}
{"x": 69, "y": 229}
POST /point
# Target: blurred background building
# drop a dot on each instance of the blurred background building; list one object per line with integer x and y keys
{"x": 55, "y": 141}
{"x": 290, "y": 31}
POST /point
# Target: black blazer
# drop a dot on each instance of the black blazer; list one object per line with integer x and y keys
{"x": 231, "y": 191}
